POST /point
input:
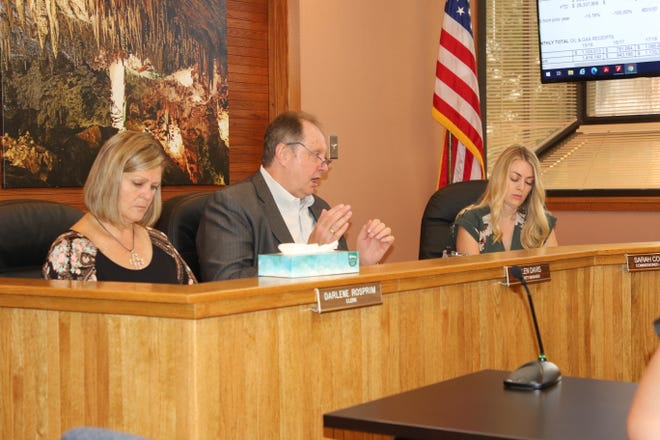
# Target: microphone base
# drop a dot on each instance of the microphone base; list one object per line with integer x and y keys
{"x": 535, "y": 375}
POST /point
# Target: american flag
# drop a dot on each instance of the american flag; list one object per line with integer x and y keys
{"x": 456, "y": 97}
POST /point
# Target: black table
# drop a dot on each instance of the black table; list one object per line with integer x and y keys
{"x": 477, "y": 406}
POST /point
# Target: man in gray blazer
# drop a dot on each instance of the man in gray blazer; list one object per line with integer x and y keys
{"x": 277, "y": 205}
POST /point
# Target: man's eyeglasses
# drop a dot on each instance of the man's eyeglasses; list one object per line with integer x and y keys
{"x": 323, "y": 160}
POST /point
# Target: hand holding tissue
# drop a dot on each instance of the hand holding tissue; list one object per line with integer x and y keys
{"x": 308, "y": 260}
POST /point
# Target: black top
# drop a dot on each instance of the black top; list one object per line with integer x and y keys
{"x": 161, "y": 268}
{"x": 73, "y": 256}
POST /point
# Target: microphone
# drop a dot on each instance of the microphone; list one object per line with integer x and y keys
{"x": 534, "y": 375}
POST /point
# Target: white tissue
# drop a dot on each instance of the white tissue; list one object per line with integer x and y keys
{"x": 306, "y": 249}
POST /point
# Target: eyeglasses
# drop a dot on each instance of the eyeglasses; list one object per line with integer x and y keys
{"x": 323, "y": 160}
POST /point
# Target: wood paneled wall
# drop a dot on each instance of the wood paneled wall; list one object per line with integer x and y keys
{"x": 257, "y": 34}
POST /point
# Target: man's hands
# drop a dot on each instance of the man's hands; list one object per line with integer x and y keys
{"x": 331, "y": 225}
{"x": 374, "y": 239}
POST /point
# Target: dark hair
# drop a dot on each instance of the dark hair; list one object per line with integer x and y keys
{"x": 286, "y": 127}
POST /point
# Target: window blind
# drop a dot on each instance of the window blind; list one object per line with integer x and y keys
{"x": 519, "y": 109}
{"x": 623, "y": 97}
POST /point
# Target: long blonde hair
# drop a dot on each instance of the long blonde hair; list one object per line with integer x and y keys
{"x": 536, "y": 228}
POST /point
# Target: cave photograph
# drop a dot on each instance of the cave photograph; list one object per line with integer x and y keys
{"x": 75, "y": 72}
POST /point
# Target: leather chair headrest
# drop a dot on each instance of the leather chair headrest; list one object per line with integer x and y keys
{"x": 179, "y": 221}
{"x": 440, "y": 213}
{"x": 27, "y": 230}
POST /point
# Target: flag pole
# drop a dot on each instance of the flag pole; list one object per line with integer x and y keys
{"x": 450, "y": 171}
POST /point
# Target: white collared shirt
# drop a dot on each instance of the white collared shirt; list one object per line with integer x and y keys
{"x": 295, "y": 211}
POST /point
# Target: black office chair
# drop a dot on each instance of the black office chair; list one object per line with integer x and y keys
{"x": 27, "y": 230}
{"x": 179, "y": 220}
{"x": 440, "y": 213}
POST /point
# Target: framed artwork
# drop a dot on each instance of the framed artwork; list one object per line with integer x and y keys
{"x": 76, "y": 72}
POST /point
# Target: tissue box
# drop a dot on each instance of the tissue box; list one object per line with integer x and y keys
{"x": 308, "y": 265}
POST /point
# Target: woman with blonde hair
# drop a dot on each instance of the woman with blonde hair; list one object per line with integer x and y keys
{"x": 114, "y": 240}
{"x": 511, "y": 214}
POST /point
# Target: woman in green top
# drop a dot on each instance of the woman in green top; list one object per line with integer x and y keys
{"x": 511, "y": 214}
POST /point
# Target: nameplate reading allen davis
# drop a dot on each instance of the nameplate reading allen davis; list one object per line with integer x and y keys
{"x": 533, "y": 273}
{"x": 348, "y": 297}
{"x": 639, "y": 262}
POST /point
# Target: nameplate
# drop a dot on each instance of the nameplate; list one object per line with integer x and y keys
{"x": 532, "y": 273}
{"x": 347, "y": 297}
{"x": 639, "y": 262}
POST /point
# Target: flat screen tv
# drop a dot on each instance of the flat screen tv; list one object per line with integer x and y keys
{"x": 584, "y": 40}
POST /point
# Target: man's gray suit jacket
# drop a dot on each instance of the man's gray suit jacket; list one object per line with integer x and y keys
{"x": 240, "y": 222}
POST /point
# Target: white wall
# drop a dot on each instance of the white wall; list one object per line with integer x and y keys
{"x": 367, "y": 70}
{"x": 600, "y": 227}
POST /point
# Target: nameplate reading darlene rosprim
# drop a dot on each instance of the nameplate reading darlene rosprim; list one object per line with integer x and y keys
{"x": 639, "y": 262}
{"x": 348, "y": 297}
{"x": 533, "y": 273}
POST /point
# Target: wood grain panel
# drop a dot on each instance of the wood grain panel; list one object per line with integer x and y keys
{"x": 106, "y": 371}
{"x": 258, "y": 89}
{"x": 249, "y": 359}
{"x": 645, "y": 309}
{"x": 352, "y": 435}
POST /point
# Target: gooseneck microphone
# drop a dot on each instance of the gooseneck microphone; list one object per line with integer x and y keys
{"x": 537, "y": 374}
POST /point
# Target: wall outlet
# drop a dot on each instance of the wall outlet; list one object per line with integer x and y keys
{"x": 333, "y": 146}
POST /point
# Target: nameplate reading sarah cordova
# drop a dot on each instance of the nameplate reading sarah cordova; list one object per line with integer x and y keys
{"x": 640, "y": 262}
{"x": 532, "y": 273}
{"x": 348, "y": 297}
